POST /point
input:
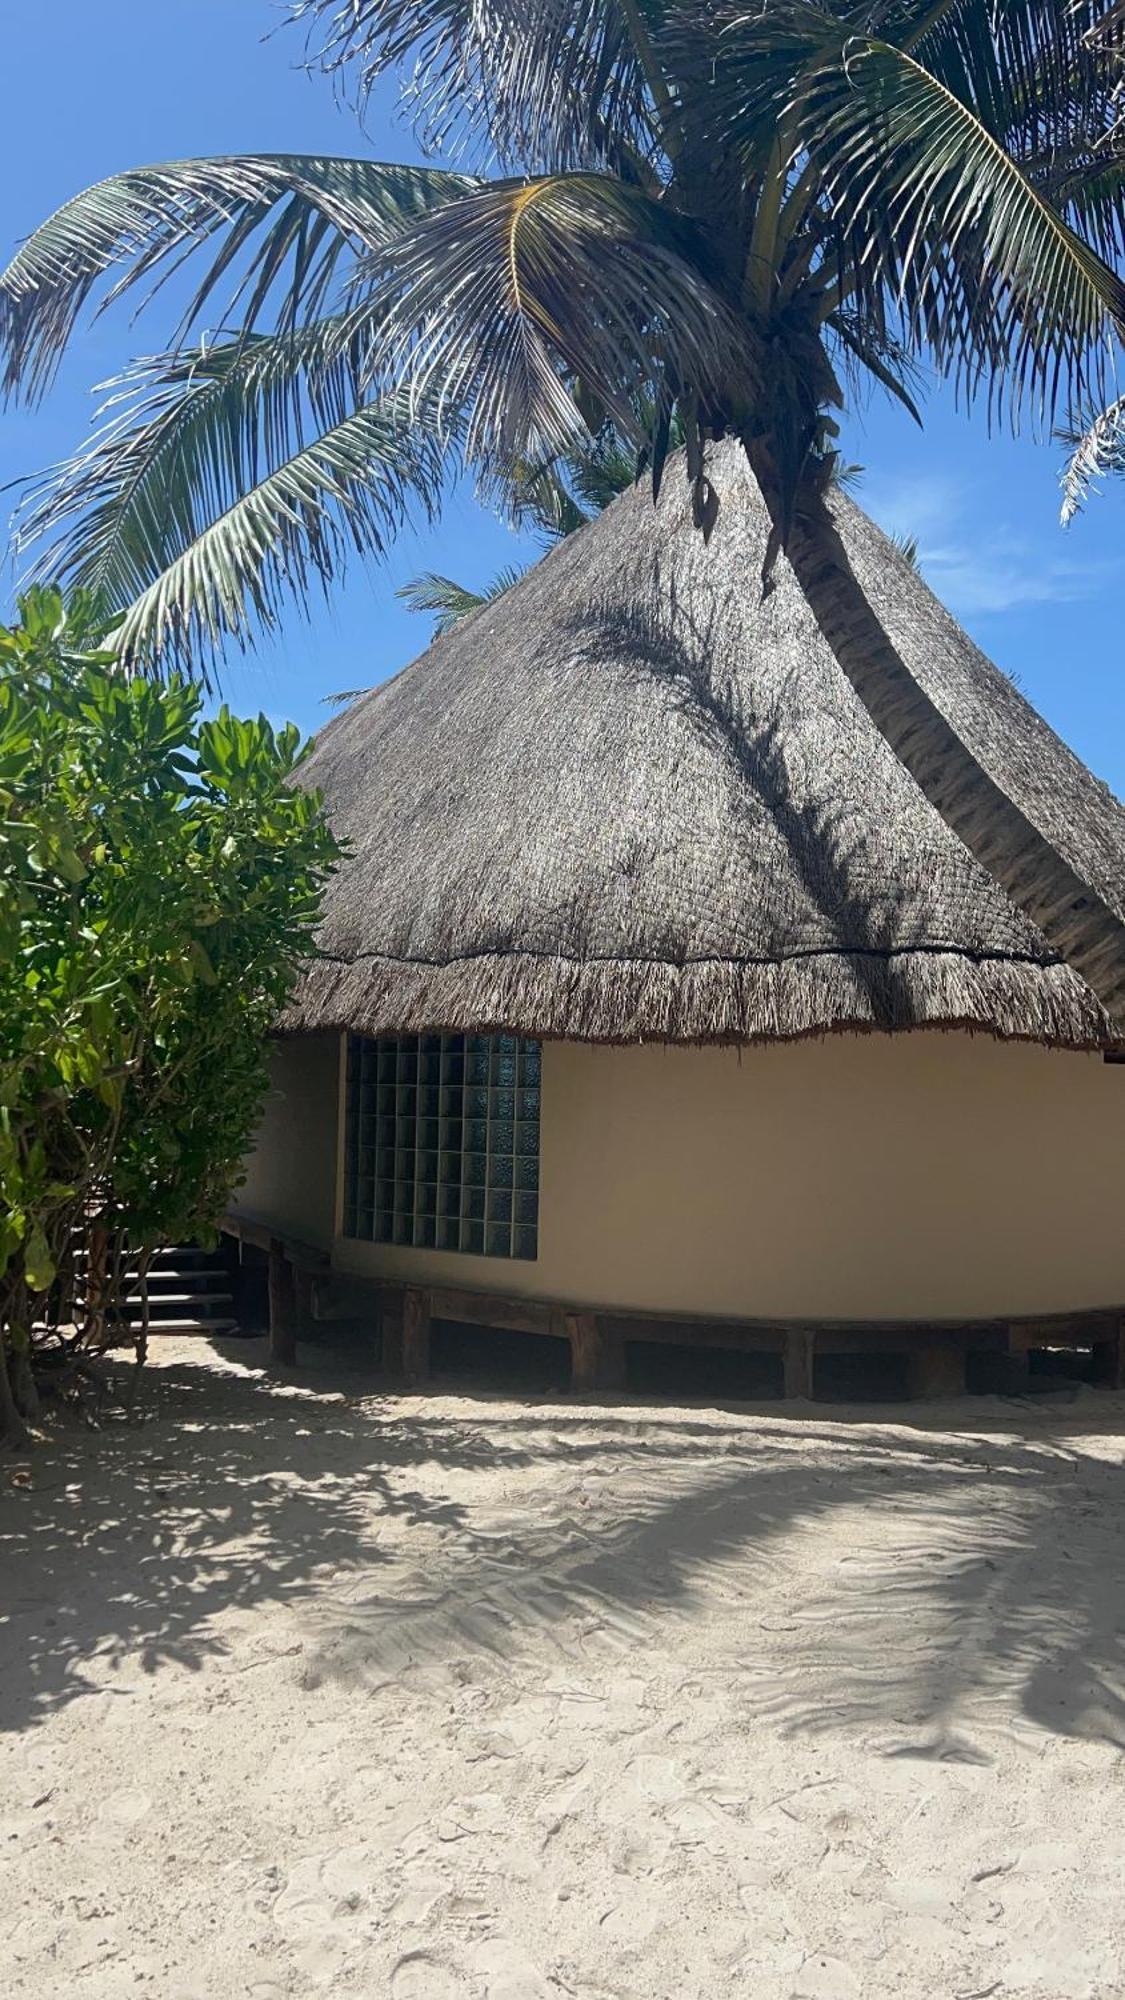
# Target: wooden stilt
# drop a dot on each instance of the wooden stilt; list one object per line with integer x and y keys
{"x": 97, "y": 1282}
{"x": 597, "y": 1353}
{"x": 283, "y": 1307}
{"x": 390, "y": 1334}
{"x": 303, "y": 1300}
{"x": 1017, "y": 1362}
{"x": 937, "y": 1370}
{"x": 799, "y": 1358}
{"x": 416, "y": 1335}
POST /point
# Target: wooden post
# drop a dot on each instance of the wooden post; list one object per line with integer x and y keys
{"x": 799, "y": 1360}
{"x": 937, "y": 1370}
{"x": 283, "y": 1306}
{"x": 597, "y": 1353}
{"x": 390, "y": 1334}
{"x": 97, "y": 1282}
{"x": 416, "y": 1335}
{"x": 1017, "y": 1365}
{"x": 303, "y": 1300}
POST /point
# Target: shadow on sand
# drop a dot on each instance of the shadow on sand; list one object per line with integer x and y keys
{"x": 989, "y": 1590}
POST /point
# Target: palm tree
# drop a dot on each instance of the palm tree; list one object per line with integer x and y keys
{"x": 720, "y": 212}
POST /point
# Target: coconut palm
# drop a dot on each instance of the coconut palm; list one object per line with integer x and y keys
{"x": 719, "y": 212}
{"x": 446, "y": 601}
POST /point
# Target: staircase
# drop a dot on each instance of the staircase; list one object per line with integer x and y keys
{"x": 188, "y": 1292}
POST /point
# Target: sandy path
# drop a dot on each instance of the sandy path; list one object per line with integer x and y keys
{"x": 443, "y": 1698}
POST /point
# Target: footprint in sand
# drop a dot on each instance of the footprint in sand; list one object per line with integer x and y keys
{"x": 655, "y": 1777}
{"x": 126, "y": 1808}
{"x": 421, "y": 1976}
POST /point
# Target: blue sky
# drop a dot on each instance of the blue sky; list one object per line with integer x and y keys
{"x": 92, "y": 89}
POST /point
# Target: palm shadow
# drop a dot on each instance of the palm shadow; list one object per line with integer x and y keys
{"x": 976, "y": 1581}
{"x": 995, "y": 1597}
{"x": 827, "y": 854}
{"x": 127, "y": 1541}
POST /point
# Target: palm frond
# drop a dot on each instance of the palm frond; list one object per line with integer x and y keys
{"x": 611, "y": 466}
{"x": 562, "y": 494}
{"x": 543, "y": 85}
{"x": 342, "y": 697}
{"x": 181, "y": 436}
{"x": 349, "y": 490}
{"x": 989, "y": 276}
{"x": 503, "y": 301}
{"x": 1030, "y": 70}
{"x": 1096, "y": 448}
{"x": 284, "y": 228}
{"x": 1109, "y": 33}
{"x": 450, "y": 602}
{"x": 538, "y": 497}
{"x": 914, "y": 176}
{"x": 870, "y": 351}
{"x": 1089, "y": 190}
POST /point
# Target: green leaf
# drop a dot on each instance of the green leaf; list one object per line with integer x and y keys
{"x": 132, "y": 1056}
{"x": 39, "y": 1265}
{"x": 200, "y": 963}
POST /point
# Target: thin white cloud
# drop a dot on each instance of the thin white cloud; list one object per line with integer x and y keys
{"x": 919, "y": 504}
{"x": 978, "y": 568}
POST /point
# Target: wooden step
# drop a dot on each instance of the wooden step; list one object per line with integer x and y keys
{"x": 186, "y": 1326}
{"x": 183, "y": 1288}
{"x": 159, "y": 1267}
{"x": 132, "y": 1304}
{"x": 178, "y": 1276}
{"x": 182, "y": 1278}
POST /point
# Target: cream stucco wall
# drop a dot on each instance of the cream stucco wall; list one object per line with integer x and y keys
{"x": 923, "y": 1175}
{"x": 291, "y": 1171}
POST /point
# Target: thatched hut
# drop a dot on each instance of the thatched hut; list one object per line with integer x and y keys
{"x": 657, "y": 1002}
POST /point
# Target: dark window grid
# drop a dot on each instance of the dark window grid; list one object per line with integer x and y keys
{"x": 501, "y": 1174}
{"x": 495, "y": 1135}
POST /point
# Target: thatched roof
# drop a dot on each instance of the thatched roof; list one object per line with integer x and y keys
{"x": 633, "y": 801}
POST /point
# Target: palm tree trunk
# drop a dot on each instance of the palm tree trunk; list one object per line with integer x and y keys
{"x": 1083, "y": 929}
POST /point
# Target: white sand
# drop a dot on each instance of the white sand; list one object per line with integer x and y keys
{"x": 311, "y": 1691}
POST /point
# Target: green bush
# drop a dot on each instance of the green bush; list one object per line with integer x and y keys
{"x": 160, "y": 882}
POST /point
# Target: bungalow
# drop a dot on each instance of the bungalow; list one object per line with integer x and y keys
{"x": 655, "y": 1002}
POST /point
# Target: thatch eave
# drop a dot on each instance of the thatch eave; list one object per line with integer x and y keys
{"x": 628, "y": 1001}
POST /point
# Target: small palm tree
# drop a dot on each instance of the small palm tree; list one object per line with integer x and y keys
{"x": 448, "y": 602}
{"x": 553, "y": 500}
{"x": 702, "y": 210}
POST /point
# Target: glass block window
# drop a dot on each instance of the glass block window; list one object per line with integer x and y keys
{"x": 442, "y": 1143}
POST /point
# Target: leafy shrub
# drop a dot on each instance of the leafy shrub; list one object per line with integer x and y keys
{"x": 160, "y": 879}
